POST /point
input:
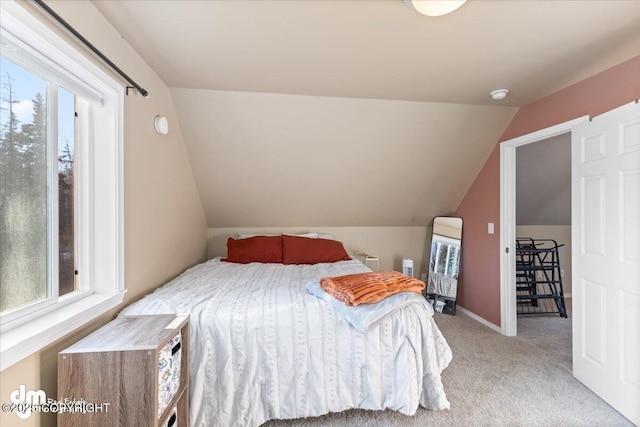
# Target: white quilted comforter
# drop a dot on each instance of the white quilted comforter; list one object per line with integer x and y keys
{"x": 262, "y": 348}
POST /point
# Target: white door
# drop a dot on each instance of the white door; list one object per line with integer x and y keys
{"x": 606, "y": 257}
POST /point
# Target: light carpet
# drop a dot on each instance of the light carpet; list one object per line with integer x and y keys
{"x": 498, "y": 381}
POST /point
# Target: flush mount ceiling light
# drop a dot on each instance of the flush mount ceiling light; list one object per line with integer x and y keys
{"x": 499, "y": 94}
{"x": 435, "y": 7}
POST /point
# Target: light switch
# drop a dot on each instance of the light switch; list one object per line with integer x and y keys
{"x": 490, "y": 228}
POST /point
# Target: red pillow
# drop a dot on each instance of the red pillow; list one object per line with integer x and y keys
{"x": 255, "y": 249}
{"x": 302, "y": 250}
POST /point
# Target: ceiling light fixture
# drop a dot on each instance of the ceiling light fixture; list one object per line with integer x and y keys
{"x": 499, "y": 94}
{"x": 435, "y": 7}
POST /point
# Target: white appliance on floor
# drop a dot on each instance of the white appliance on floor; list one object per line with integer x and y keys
{"x": 407, "y": 266}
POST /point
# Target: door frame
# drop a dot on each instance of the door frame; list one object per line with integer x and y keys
{"x": 508, "y": 306}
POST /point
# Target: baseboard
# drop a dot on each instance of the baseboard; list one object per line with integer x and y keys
{"x": 477, "y": 318}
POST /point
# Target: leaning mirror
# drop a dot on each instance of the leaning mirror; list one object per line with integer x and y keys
{"x": 444, "y": 264}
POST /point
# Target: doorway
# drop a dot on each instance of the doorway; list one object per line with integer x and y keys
{"x": 605, "y": 170}
{"x": 508, "y": 173}
{"x": 543, "y": 228}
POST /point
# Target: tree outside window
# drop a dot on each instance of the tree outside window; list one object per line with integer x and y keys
{"x": 27, "y": 141}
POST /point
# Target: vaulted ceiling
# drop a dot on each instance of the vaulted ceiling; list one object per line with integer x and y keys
{"x": 358, "y": 112}
{"x": 379, "y": 48}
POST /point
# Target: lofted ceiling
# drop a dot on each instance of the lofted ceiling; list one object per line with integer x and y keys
{"x": 263, "y": 160}
{"x": 357, "y": 112}
{"x": 379, "y": 48}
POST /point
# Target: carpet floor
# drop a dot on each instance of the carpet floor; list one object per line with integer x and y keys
{"x": 498, "y": 381}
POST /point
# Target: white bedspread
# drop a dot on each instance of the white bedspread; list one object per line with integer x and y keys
{"x": 263, "y": 348}
{"x": 363, "y": 316}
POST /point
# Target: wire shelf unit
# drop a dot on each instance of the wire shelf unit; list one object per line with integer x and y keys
{"x": 538, "y": 277}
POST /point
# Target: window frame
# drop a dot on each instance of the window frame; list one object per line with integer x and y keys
{"x": 38, "y": 307}
{"x": 100, "y": 195}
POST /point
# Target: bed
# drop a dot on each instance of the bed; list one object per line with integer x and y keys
{"x": 263, "y": 348}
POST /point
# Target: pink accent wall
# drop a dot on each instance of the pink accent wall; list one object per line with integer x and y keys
{"x": 479, "y": 284}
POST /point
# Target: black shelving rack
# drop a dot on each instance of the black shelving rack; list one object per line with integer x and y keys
{"x": 538, "y": 277}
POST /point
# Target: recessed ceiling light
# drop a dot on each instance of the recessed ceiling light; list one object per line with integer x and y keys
{"x": 499, "y": 94}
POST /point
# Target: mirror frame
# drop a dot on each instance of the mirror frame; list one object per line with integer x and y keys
{"x": 441, "y": 300}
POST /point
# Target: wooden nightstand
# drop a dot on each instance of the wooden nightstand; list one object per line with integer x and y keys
{"x": 138, "y": 365}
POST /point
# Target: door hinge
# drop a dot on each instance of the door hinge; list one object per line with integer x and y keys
{"x": 506, "y": 250}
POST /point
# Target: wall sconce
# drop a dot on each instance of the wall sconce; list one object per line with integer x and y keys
{"x": 161, "y": 124}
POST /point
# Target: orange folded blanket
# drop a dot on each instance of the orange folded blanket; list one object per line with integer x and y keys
{"x": 369, "y": 288}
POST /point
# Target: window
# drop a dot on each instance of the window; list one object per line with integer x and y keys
{"x": 28, "y": 212}
{"x": 61, "y": 233}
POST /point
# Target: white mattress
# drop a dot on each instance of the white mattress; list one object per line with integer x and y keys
{"x": 262, "y": 348}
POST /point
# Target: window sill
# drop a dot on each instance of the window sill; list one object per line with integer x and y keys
{"x": 24, "y": 340}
